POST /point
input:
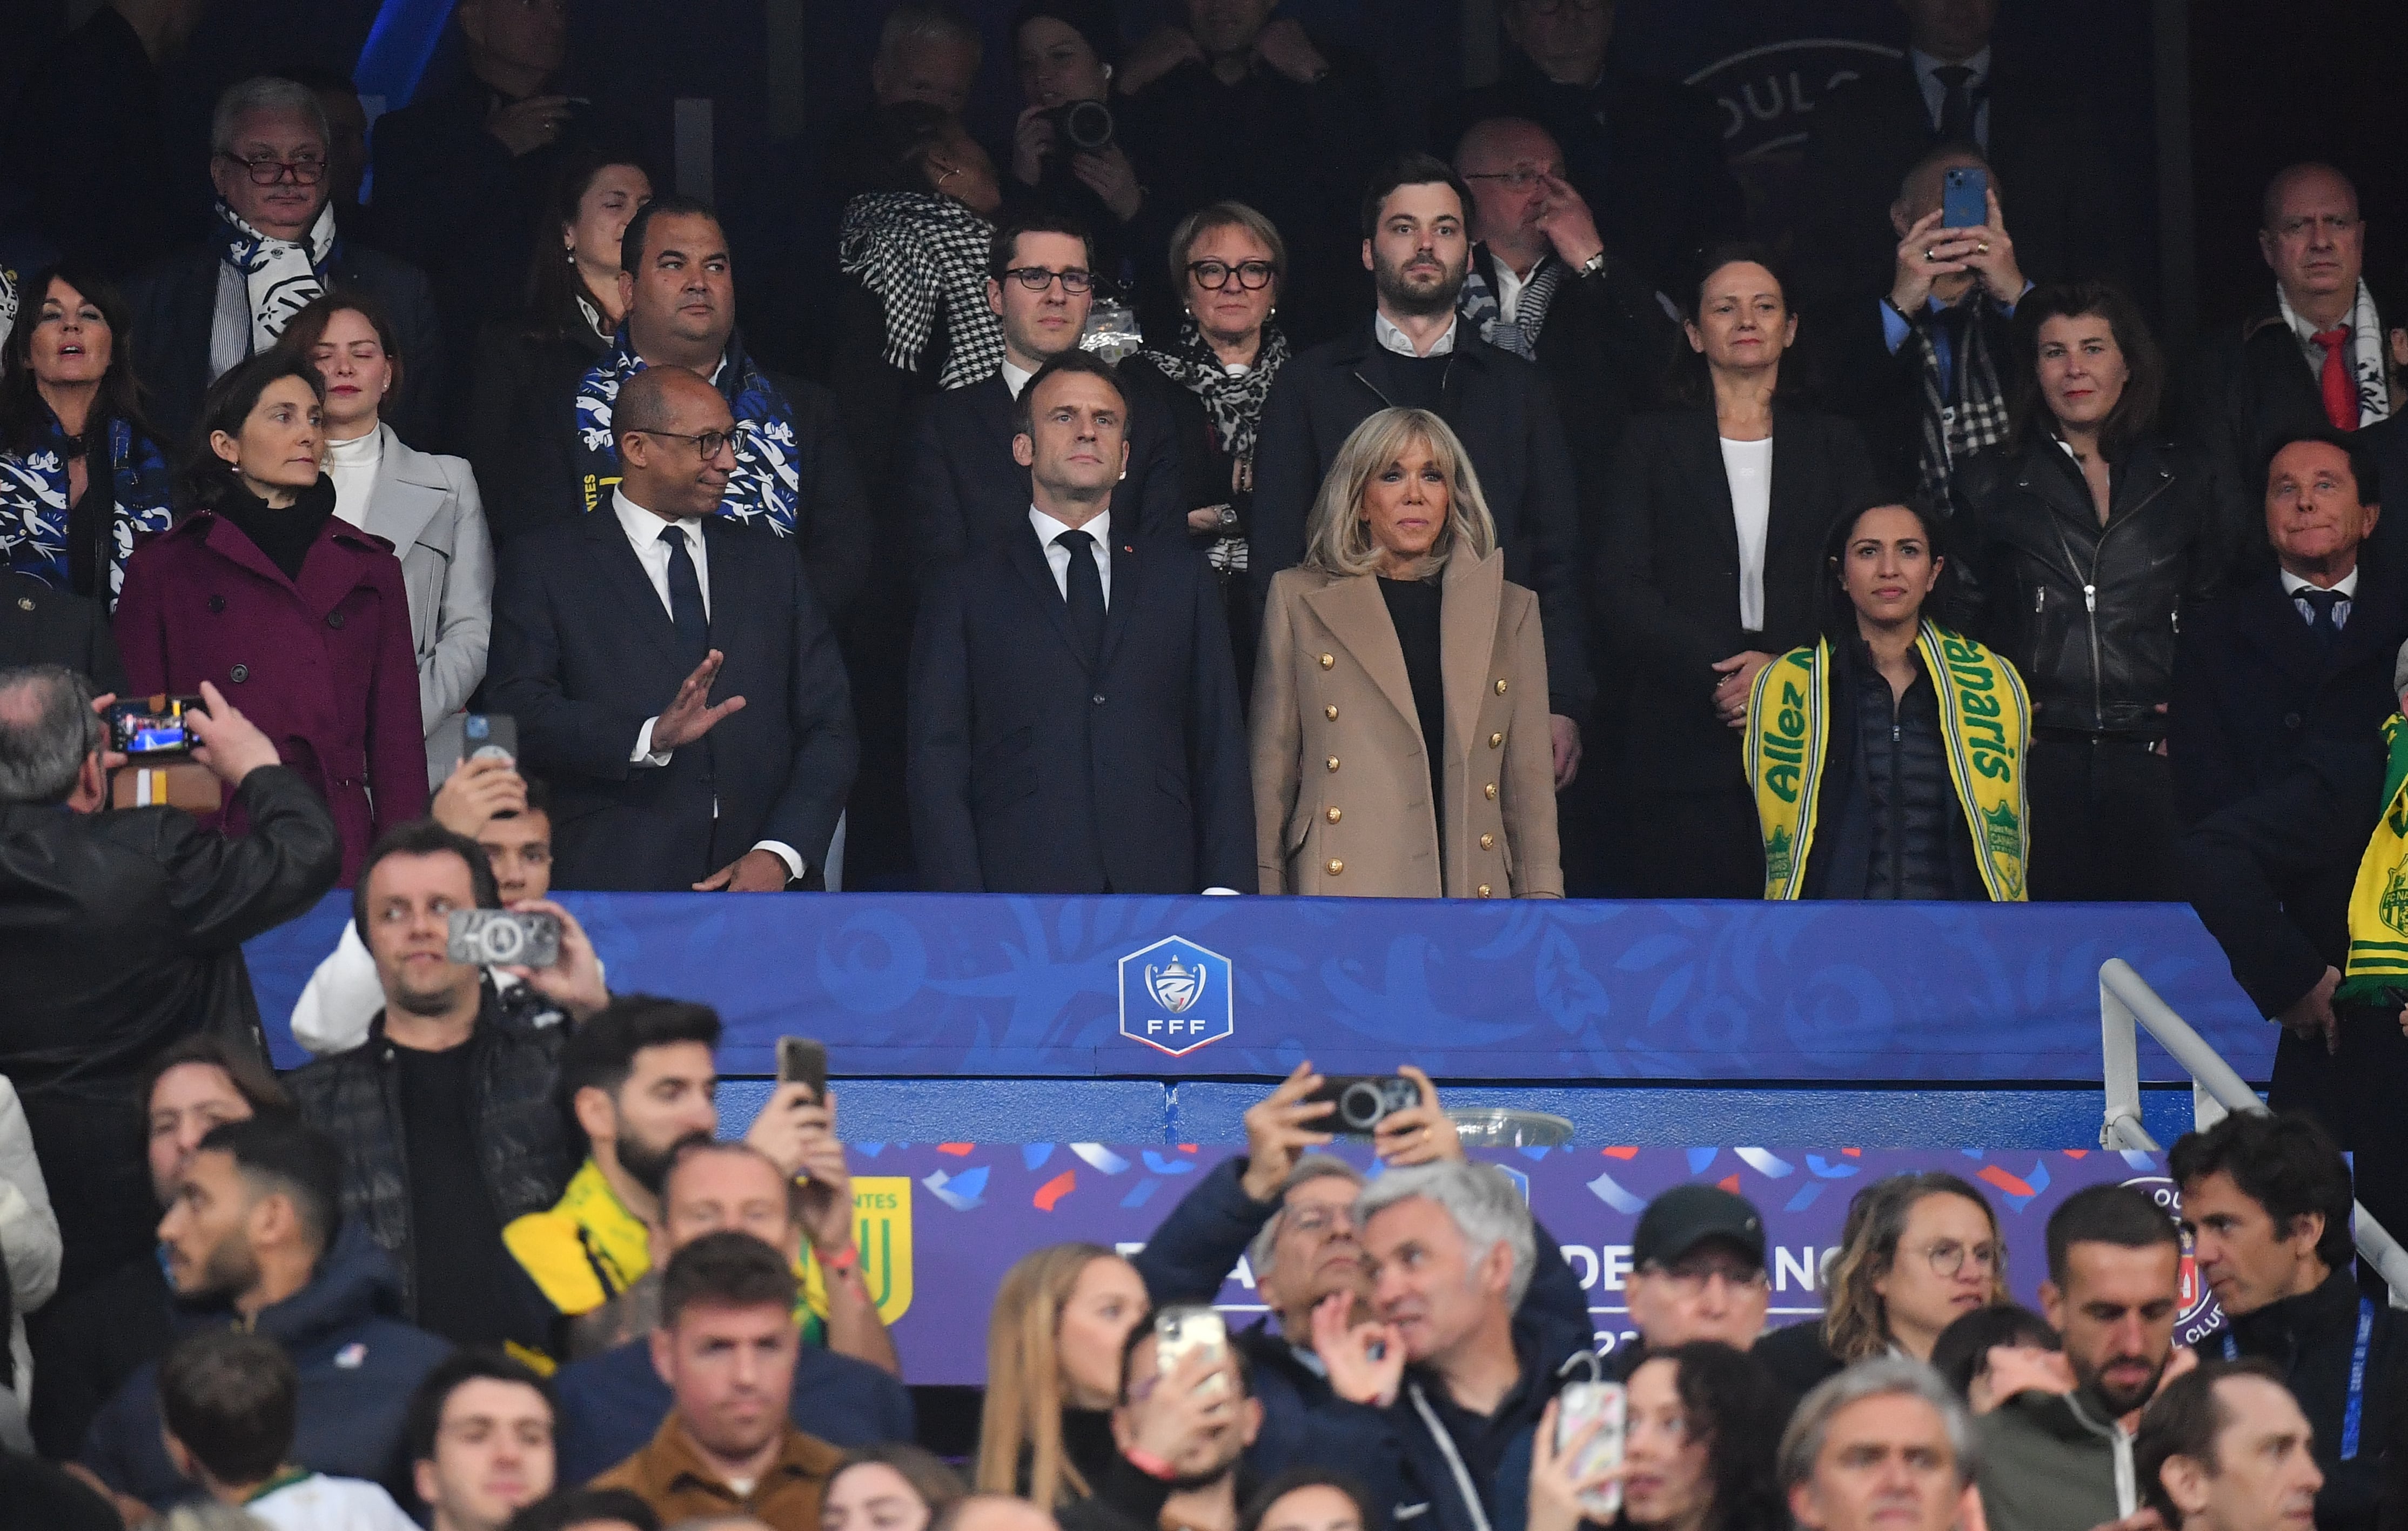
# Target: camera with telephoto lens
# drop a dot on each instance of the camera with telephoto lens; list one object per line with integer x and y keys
{"x": 1085, "y": 126}
{"x": 1365, "y": 1100}
{"x": 504, "y": 938}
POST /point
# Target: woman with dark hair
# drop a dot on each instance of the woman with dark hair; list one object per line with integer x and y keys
{"x": 1310, "y": 1499}
{"x": 573, "y": 311}
{"x": 80, "y": 477}
{"x": 1698, "y": 1440}
{"x": 917, "y": 248}
{"x": 1996, "y": 1352}
{"x": 263, "y": 589}
{"x": 1712, "y": 564}
{"x": 2091, "y": 538}
{"x": 892, "y": 1486}
{"x": 1885, "y": 756}
{"x": 1068, "y": 153}
{"x": 427, "y": 506}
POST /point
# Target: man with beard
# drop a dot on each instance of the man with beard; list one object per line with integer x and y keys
{"x": 256, "y": 1237}
{"x": 1186, "y": 1452}
{"x": 638, "y": 1080}
{"x": 1415, "y": 353}
{"x": 445, "y": 1113}
{"x": 2053, "y": 1461}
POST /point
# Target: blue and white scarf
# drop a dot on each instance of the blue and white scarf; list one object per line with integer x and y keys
{"x": 1479, "y": 305}
{"x": 34, "y": 506}
{"x": 280, "y": 277}
{"x": 766, "y": 485}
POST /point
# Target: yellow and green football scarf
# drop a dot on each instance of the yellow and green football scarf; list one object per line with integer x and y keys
{"x": 1985, "y": 722}
{"x": 2378, "y": 903}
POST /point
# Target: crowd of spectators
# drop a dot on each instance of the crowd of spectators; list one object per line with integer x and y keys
{"x": 1409, "y": 505}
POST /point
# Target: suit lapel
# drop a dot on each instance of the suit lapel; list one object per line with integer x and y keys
{"x": 622, "y": 570}
{"x": 1468, "y": 640}
{"x": 1357, "y": 616}
{"x": 2274, "y": 624}
{"x": 1028, "y": 561}
{"x": 995, "y": 410}
{"x": 406, "y": 495}
{"x": 1126, "y": 573}
{"x": 1706, "y": 467}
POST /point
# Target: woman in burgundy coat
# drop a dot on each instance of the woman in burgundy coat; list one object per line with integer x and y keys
{"x": 297, "y": 616}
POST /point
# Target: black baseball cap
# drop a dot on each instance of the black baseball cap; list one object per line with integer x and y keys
{"x": 1684, "y": 1217}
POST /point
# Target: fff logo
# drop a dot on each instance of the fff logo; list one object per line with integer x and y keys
{"x": 1177, "y": 996}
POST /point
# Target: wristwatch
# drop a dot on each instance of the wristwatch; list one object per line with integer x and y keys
{"x": 1592, "y": 265}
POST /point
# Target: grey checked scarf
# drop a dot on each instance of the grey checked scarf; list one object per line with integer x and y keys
{"x": 922, "y": 254}
{"x": 1980, "y": 421}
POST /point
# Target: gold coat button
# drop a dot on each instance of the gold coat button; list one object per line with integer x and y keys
{"x": 1328, "y": 659}
{"x": 1336, "y": 867}
{"x": 1495, "y": 740}
{"x": 1333, "y": 762}
{"x": 1500, "y": 688}
{"x": 1483, "y": 890}
{"x": 1487, "y": 842}
{"x": 1329, "y": 712}
{"x": 1335, "y": 815}
{"x": 1491, "y": 789}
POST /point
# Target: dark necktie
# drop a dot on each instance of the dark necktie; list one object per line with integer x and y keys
{"x": 1084, "y": 591}
{"x": 2324, "y": 623}
{"x": 1951, "y": 324}
{"x": 686, "y": 600}
{"x": 1956, "y": 105}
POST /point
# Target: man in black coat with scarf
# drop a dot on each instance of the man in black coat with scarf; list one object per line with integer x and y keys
{"x": 1417, "y": 353}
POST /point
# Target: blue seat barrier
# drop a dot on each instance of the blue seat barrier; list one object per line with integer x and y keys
{"x": 1535, "y": 992}
{"x": 939, "y": 1224}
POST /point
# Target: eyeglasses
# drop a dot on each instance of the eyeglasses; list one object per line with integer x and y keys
{"x": 1691, "y": 1281}
{"x": 1520, "y": 178}
{"x": 1322, "y": 1220}
{"x": 1037, "y": 279}
{"x": 1948, "y": 1257}
{"x": 706, "y": 445}
{"x": 267, "y": 170}
{"x": 1214, "y": 275}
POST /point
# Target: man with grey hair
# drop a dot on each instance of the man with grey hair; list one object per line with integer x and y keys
{"x": 123, "y": 931}
{"x": 1883, "y": 1446}
{"x": 1291, "y": 1212}
{"x": 275, "y": 248}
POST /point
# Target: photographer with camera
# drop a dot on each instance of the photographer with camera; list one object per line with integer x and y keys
{"x": 121, "y": 931}
{"x": 1066, "y": 149}
{"x": 509, "y": 817}
{"x": 1289, "y": 1212}
{"x": 445, "y": 1112}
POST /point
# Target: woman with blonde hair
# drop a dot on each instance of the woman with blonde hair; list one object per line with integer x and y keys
{"x": 1919, "y": 1251}
{"x": 1400, "y": 739}
{"x": 1052, "y": 1372}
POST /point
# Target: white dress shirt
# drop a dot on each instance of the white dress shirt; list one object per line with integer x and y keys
{"x": 1057, "y": 557}
{"x": 1935, "y": 94}
{"x": 1393, "y": 338}
{"x": 643, "y": 530}
{"x": 2346, "y": 586}
{"x": 1015, "y": 378}
{"x": 1748, "y": 466}
{"x": 1509, "y": 289}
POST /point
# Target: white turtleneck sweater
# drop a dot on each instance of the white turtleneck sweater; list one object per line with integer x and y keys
{"x": 353, "y": 466}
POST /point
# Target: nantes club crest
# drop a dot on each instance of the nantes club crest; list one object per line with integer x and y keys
{"x": 1176, "y": 996}
{"x": 882, "y": 1232}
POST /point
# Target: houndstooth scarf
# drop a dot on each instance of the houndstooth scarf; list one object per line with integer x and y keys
{"x": 920, "y": 254}
{"x": 279, "y": 275}
{"x": 765, "y": 487}
{"x": 2366, "y": 345}
{"x": 1981, "y": 419}
{"x": 1479, "y": 304}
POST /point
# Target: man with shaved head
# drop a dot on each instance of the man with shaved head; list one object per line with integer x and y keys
{"x": 672, "y": 671}
{"x": 2311, "y": 353}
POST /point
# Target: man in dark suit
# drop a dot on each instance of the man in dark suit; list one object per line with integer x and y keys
{"x": 2313, "y": 353}
{"x": 1075, "y": 719}
{"x": 965, "y": 490}
{"x": 275, "y": 248}
{"x": 1646, "y": 153}
{"x": 2071, "y": 220}
{"x": 793, "y": 476}
{"x": 2280, "y": 690}
{"x": 610, "y": 633}
{"x": 40, "y": 626}
{"x": 1417, "y": 353}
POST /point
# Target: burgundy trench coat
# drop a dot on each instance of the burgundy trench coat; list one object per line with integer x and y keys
{"x": 324, "y": 668}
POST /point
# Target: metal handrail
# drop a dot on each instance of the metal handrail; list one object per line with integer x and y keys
{"x": 2126, "y": 1003}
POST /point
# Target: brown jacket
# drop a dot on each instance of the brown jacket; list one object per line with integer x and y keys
{"x": 670, "y": 1476}
{"x": 1342, "y": 791}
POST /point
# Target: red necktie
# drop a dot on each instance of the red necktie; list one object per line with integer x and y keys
{"x": 2340, "y": 388}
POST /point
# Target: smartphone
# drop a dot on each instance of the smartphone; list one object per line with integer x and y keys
{"x": 1609, "y": 1404}
{"x": 485, "y": 734}
{"x": 1965, "y": 197}
{"x": 149, "y": 727}
{"x": 504, "y": 938}
{"x": 1180, "y": 1332}
{"x": 803, "y": 1060}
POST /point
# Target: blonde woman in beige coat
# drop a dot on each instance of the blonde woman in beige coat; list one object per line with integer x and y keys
{"x": 1397, "y": 644}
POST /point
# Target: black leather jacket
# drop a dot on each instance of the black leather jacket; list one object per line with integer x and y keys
{"x": 2088, "y": 613}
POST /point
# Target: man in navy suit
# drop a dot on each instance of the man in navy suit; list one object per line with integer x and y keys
{"x": 2274, "y": 739}
{"x": 611, "y": 633}
{"x": 1075, "y": 721}
{"x": 963, "y": 492}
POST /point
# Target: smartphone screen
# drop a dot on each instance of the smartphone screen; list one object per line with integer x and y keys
{"x": 1965, "y": 197}
{"x": 151, "y": 726}
{"x": 803, "y": 1060}
{"x": 1180, "y": 1332}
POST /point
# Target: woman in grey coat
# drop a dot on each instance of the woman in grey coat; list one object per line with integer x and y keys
{"x": 426, "y": 505}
